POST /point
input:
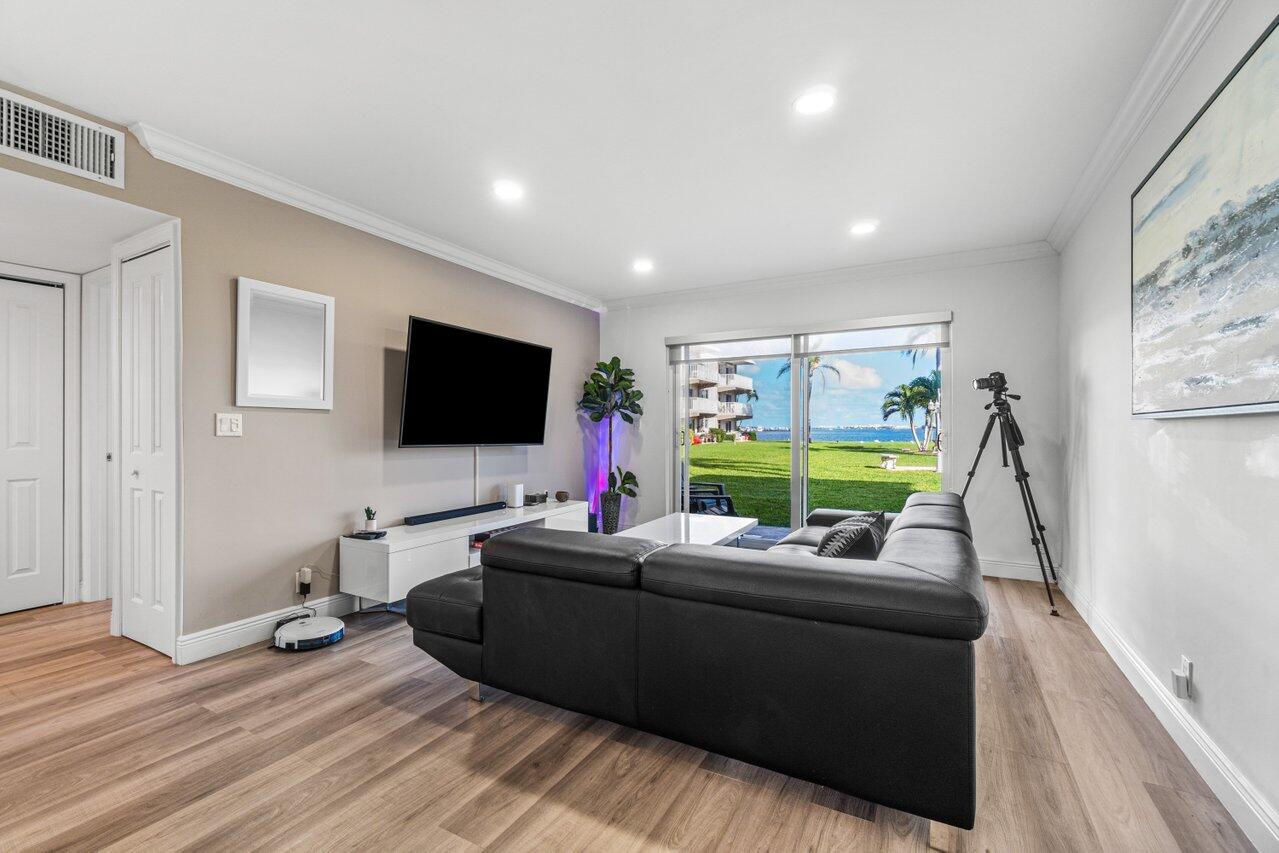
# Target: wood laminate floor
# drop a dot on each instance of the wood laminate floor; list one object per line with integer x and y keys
{"x": 370, "y": 744}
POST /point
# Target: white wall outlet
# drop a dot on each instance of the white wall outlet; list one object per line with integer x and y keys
{"x": 228, "y": 424}
{"x": 1181, "y": 678}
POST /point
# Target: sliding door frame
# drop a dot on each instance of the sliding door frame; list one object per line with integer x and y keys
{"x": 676, "y": 377}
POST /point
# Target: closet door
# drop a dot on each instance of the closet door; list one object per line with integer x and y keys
{"x": 148, "y": 458}
{"x": 30, "y": 445}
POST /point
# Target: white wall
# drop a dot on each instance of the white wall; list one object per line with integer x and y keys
{"x": 1172, "y": 529}
{"x": 1005, "y": 319}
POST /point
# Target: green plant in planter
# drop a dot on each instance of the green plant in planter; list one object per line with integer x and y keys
{"x": 609, "y": 392}
{"x": 370, "y": 513}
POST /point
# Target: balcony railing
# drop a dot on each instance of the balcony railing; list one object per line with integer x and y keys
{"x": 736, "y": 382}
{"x": 701, "y": 406}
{"x": 703, "y": 374}
{"x": 735, "y": 410}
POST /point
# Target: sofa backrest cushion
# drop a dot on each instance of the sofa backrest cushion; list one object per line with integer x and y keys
{"x": 570, "y": 555}
{"x": 943, "y": 599}
{"x": 944, "y": 555}
{"x": 932, "y": 517}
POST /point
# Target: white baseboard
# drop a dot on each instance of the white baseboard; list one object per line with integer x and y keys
{"x": 255, "y": 629}
{"x": 1014, "y": 571}
{"x": 1257, "y": 818}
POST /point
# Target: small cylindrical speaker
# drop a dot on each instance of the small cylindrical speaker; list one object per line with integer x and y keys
{"x": 515, "y": 494}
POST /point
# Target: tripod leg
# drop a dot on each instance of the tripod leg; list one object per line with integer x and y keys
{"x": 1034, "y": 510}
{"x": 1023, "y": 487}
{"x": 981, "y": 448}
{"x": 1024, "y": 477}
{"x": 1039, "y": 551}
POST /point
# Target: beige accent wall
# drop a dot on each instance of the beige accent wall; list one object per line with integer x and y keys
{"x": 258, "y": 507}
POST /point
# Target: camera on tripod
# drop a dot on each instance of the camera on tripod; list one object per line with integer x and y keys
{"x": 996, "y": 381}
{"x": 1011, "y": 441}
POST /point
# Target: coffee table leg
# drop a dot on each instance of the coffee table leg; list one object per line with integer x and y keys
{"x": 475, "y": 690}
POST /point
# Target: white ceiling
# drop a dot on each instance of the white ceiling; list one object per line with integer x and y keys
{"x": 48, "y": 225}
{"x": 659, "y": 128}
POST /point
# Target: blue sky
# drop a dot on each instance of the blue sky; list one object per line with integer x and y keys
{"x": 851, "y": 399}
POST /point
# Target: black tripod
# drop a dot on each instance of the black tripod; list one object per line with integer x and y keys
{"x": 1010, "y": 443}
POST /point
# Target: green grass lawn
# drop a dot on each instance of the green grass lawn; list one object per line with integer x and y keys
{"x": 842, "y": 474}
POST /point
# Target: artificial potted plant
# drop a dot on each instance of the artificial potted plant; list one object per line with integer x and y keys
{"x": 370, "y": 518}
{"x": 610, "y": 392}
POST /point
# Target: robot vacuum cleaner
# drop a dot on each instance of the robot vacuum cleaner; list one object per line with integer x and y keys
{"x": 308, "y": 632}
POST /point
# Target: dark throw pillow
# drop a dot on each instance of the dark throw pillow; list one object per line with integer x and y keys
{"x": 857, "y": 537}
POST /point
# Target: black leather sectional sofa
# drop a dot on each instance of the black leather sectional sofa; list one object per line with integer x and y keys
{"x": 855, "y": 674}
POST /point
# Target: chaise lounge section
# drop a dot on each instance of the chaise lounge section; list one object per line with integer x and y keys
{"x": 854, "y": 674}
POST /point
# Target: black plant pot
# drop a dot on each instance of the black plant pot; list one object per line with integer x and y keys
{"x": 610, "y": 511}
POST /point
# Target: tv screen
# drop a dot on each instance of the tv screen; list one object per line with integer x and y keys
{"x": 463, "y": 387}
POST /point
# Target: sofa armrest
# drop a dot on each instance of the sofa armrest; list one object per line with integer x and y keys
{"x": 880, "y": 594}
{"x": 569, "y": 554}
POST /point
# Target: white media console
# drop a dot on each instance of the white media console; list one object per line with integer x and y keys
{"x": 386, "y": 569}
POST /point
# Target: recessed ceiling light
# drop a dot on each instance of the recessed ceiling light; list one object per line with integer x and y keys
{"x": 642, "y": 265}
{"x": 815, "y": 101}
{"x": 508, "y": 190}
{"x": 866, "y": 226}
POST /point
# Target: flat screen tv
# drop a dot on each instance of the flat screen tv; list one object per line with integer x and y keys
{"x": 463, "y": 387}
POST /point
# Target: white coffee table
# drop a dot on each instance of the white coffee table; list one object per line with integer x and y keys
{"x": 686, "y": 528}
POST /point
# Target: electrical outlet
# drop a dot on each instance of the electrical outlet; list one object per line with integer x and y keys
{"x": 228, "y": 424}
{"x": 1182, "y": 678}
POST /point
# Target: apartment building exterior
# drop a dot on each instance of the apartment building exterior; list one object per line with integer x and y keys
{"x": 718, "y": 396}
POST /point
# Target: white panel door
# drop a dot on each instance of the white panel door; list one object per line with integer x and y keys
{"x": 30, "y": 445}
{"x": 148, "y": 458}
{"x": 98, "y": 405}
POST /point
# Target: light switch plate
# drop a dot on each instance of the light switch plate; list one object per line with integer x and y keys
{"x": 228, "y": 424}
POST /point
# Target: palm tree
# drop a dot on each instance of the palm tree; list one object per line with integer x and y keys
{"x": 930, "y": 386}
{"x": 914, "y": 355}
{"x": 815, "y": 367}
{"x": 905, "y": 400}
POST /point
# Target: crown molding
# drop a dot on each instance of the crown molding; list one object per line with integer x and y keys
{"x": 1180, "y": 40}
{"x": 181, "y": 152}
{"x": 844, "y": 275}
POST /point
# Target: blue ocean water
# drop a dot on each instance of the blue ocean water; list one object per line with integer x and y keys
{"x": 885, "y": 433}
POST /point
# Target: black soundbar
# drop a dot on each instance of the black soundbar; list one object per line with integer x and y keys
{"x": 443, "y": 515}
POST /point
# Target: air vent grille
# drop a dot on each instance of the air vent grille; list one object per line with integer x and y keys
{"x": 32, "y": 131}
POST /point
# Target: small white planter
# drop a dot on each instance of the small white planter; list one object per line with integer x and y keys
{"x": 370, "y": 524}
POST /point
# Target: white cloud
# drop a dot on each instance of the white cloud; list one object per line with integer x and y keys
{"x": 856, "y": 377}
{"x": 748, "y": 369}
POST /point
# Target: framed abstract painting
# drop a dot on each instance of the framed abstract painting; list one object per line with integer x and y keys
{"x": 1205, "y": 255}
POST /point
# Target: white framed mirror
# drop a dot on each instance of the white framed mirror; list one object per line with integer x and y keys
{"x": 283, "y": 347}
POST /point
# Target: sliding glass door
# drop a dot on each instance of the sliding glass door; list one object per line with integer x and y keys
{"x": 732, "y": 430}
{"x": 769, "y": 426}
{"x": 875, "y": 414}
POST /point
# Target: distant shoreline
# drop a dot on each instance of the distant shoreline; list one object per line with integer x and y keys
{"x": 859, "y": 434}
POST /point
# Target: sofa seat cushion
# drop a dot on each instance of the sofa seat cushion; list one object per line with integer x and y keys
{"x": 449, "y": 605}
{"x": 933, "y": 517}
{"x": 569, "y": 555}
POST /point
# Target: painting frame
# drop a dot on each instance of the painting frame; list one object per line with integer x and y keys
{"x": 1256, "y": 407}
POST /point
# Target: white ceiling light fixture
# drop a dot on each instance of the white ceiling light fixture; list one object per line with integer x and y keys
{"x": 815, "y": 101}
{"x": 643, "y": 266}
{"x": 864, "y": 227}
{"x": 508, "y": 190}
